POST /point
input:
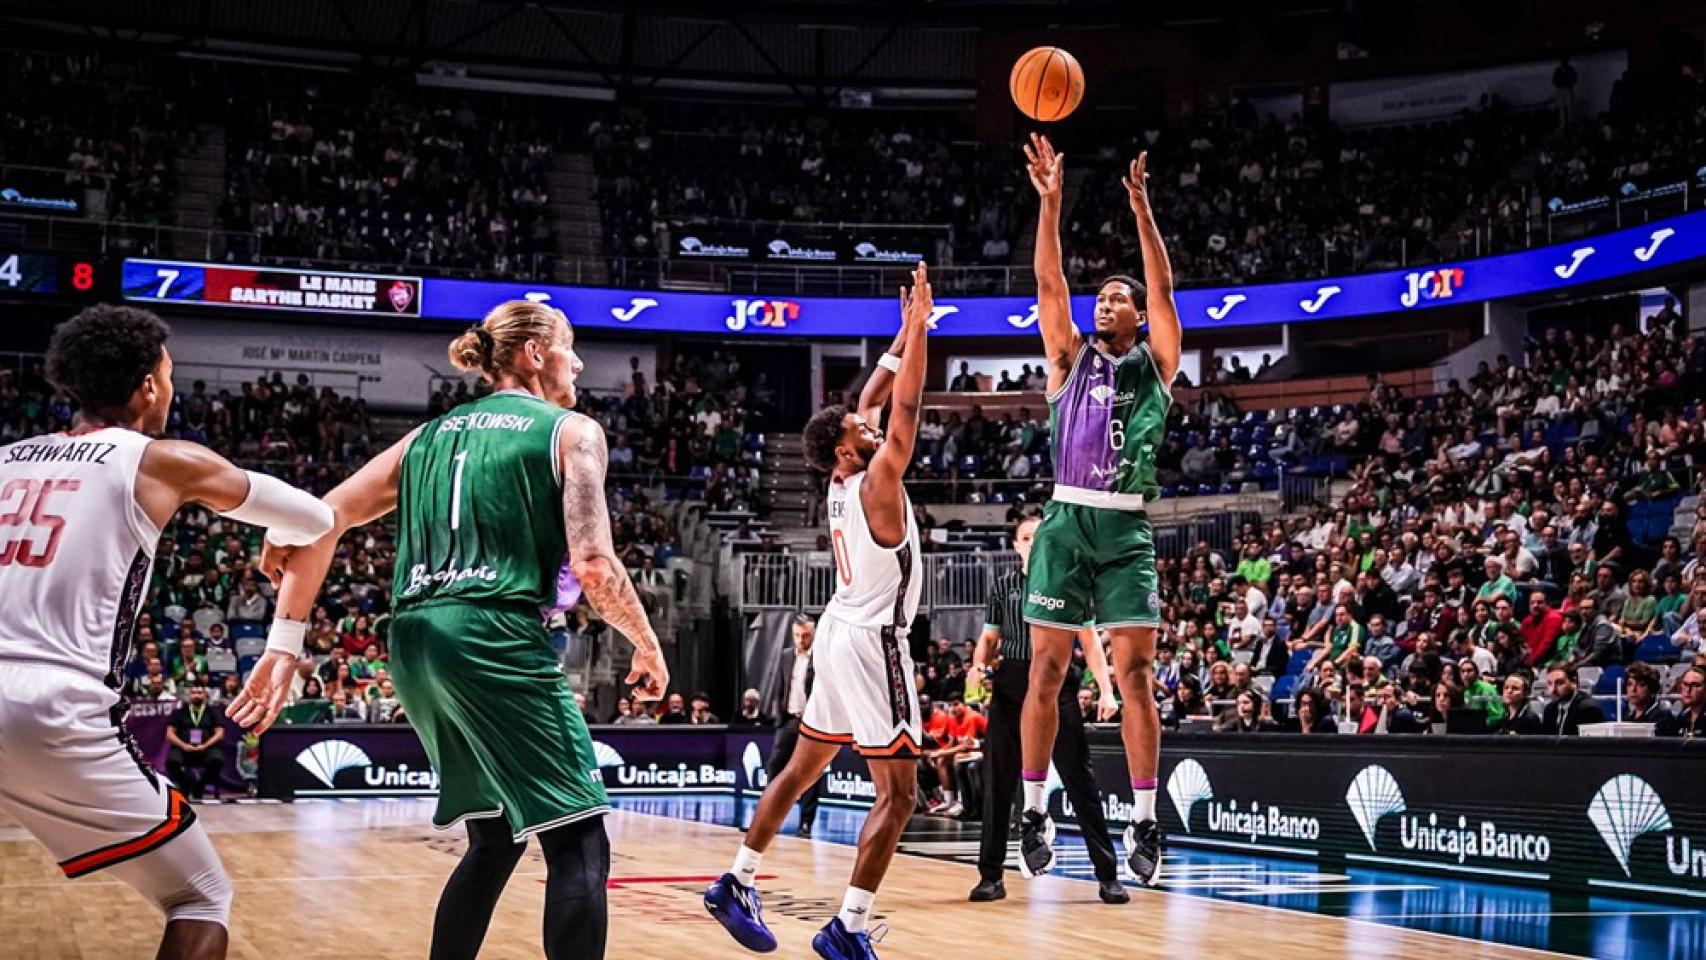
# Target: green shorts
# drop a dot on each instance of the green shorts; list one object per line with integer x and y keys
{"x": 1092, "y": 565}
{"x": 484, "y": 690}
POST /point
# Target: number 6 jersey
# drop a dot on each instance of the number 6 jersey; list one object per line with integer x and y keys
{"x": 1106, "y": 423}
{"x": 75, "y": 550}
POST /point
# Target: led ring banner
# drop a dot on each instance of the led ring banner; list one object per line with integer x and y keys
{"x": 1608, "y": 256}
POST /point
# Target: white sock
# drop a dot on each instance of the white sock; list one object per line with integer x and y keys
{"x": 856, "y": 908}
{"x": 1034, "y": 799}
{"x": 948, "y": 797}
{"x": 1143, "y": 805}
{"x": 746, "y": 865}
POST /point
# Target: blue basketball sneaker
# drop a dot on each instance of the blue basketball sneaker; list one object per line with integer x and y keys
{"x": 736, "y": 907}
{"x": 836, "y": 942}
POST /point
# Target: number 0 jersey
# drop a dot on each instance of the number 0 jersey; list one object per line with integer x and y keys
{"x": 875, "y": 586}
{"x": 1106, "y": 422}
{"x": 480, "y": 505}
{"x": 76, "y": 550}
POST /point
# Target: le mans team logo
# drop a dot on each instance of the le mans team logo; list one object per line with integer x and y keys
{"x": 401, "y": 295}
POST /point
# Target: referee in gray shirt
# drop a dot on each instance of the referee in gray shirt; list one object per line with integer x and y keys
{"x": 1005, "y": 633}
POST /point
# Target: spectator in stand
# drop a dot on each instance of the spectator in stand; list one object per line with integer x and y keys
{"x": 677, "y": 712}
{"x": 1520, "y": 718}
{"x": 1689, "y": 720}
{"x": 194, "y": 733}
{"x": 1310, "y": 714}
{"x": 751, "y": 715}
{"x": 1569, "y": 707}
{"x": 1540, "y": 630}
{"x": 702, "y": 715}
{"x": 963, "y": 731}
{"x": 1358, "y": 711}
{"x": 1640, "y": 702}
{"x": 1480, "y": 694}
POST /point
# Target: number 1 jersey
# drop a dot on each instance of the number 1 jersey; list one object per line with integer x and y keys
{"x": 76, "y": 550}
{"x": 480, "y": 505}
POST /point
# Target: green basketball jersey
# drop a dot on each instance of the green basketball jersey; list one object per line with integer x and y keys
{"x": 1108, "y": 421}
{"x": 480, "y": 505}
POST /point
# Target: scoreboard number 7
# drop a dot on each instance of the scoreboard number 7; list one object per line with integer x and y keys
{"x": 166, "y": 276}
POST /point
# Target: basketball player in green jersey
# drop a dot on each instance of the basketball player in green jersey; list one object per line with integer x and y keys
{"x": 490, "y": 498}
{"x": 1093, "y": 560}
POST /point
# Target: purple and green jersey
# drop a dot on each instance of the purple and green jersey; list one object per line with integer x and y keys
{"x": 1107, "y": 421}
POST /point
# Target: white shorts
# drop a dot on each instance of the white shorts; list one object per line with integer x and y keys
{"x": 69, "y": 776}
{"x": 862, "y": 692}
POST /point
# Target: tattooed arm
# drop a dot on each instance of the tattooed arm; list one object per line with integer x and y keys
{"x": 592, "y": 554}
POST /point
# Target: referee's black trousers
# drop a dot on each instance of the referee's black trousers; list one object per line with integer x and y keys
{"x": 781, "y": 751}
{"x": 1001, "y": 758}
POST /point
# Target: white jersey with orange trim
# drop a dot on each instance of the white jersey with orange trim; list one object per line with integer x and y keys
{"x": 875, "y": 586}
{"x": 76, "y": 550}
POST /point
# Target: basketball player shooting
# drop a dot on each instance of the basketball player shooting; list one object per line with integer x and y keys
{"x": 1094, "y": 556}
{"x": 864, "y": 693}
{"x": 80, "y": 515}
{"x": 490, "y": 498}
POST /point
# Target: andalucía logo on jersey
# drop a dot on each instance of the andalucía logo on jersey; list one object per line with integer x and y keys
{"x": 325, "y": 759}
{"x": 1625, "y": 808}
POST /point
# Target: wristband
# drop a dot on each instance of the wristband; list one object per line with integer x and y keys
{"x": 889, "y": 362}
{"x": 286, "y": 636}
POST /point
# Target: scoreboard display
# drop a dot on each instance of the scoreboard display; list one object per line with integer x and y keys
{"x": 263, "y": 288}
{"x": 22, "y": 272}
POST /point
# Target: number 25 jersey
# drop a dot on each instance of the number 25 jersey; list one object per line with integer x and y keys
{"x": 76, "y": 550}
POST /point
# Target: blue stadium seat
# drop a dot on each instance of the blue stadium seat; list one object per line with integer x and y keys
{"x": 1206, "y": 489}
{"x": 246, "y": 628}
{"x": 1282, "y": 687}
{"x": 1657, "y": 648}
{"x": 245, "y": 664}
{"x": 1609, "y": 682}
{"x": 1228, "y": 487}
{"x": 1299, "y": 659}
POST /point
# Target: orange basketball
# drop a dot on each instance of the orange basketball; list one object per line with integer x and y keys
{"x": 1047, "y": 83}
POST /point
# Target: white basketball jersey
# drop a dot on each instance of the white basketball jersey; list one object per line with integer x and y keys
{"x": 76, "y": 549}
{"x": 875, "y": 586}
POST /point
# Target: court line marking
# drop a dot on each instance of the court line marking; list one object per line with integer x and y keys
{"x": 1386, "y": 928}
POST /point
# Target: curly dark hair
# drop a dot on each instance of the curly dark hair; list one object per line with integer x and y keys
{"x": 822, "y": 435}
{"x": 100, "y": 356}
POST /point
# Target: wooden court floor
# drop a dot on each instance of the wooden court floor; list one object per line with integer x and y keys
{"x": 360, "y": 882}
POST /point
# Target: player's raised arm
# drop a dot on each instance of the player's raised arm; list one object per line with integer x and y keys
{"x": 299, "y": 571}
{"x": 1054, "y": 303}
{"x": 592, "y": 553}
{"x": 1165, "y": 332}
{"x": 880, "y": 384}
{"x": 889, "y": 464}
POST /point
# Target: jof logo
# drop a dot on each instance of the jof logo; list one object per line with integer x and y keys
{"x": 328, "y": 757}
{"x": 1431, "y": 285}
{"x": 763, "y": 313}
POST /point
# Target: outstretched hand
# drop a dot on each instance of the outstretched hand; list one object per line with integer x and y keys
{"x": 1136, "y": 184}
{"x": 917, "y": 303}
{"x": 263, "y": 696}
{"x": 1044, "y": 166}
